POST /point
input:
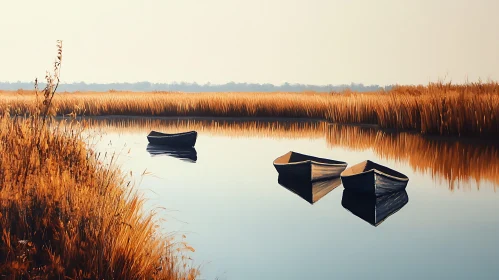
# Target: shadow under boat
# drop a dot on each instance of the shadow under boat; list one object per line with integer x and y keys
{"x": 310, "y": 191}
{"x": 183, "y": 153}
{"x": 374, "y": 209}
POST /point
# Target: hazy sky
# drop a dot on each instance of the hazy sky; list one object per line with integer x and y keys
{"x": 275, "y": 41}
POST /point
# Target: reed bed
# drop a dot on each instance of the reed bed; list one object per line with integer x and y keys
{"x": 454, "y": 162}
{"x": 64, "y": 214}
{"x": 69, "y": 213}
{"x": 438, "y": 108}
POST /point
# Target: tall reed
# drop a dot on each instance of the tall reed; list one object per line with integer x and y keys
{"x": 68, "y": 213}
{"x": 438, "y": 108}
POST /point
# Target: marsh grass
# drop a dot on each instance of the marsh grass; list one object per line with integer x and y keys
{"x": 442, "y": 109}
{"x": 68, "y": 213}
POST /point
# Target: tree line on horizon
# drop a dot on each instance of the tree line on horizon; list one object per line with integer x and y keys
{"x": 195, "y": 87}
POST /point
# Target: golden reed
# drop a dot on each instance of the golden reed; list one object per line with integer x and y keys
{"x": 66, "y": 215}
{"x": 442, "y": 109}
{"x": 449, "y": 160}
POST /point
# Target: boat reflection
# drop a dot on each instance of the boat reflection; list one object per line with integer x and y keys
{"x": 310, "y": 191}
{"x": 372, "y": 209}
{"x": 186, "y": 154}
{"x": 453, "y": 162}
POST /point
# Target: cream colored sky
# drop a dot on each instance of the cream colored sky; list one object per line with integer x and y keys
{"x": 275, "y": 41}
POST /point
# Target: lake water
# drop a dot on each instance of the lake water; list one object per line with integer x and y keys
{"x": 244, "y": 225}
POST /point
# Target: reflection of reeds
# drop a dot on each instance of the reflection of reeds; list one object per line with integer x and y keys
{"x": 444, "y": 109}
{"x": 63, "y": 213}
{"x": 225, "y": 127}
{"x": 453, "y": 161}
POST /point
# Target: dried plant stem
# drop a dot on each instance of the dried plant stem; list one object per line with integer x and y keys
{"x": 68, "y": 213}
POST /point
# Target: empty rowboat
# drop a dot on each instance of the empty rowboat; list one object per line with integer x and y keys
{"x": 183, "y": 139}
{"x": 307, "y": 167}
{"x": 371, "y": 178}
{"x": 372, "y": 209}
{"x": 308, "y": 190}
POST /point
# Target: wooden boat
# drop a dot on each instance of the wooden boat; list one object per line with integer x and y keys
{"x": 372, "y": 209}
{"x": 372, "y": 178}
{"x": 307, "y": 167}
{"x": 183, "y": 139}
{"x": 308, "y": 190}
{"x": 185, "y": 153}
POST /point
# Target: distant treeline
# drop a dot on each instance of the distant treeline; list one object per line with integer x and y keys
{"x": 194, "y": 87}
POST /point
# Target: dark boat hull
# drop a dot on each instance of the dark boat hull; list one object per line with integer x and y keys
{"x": 300, "y": 171}
{"x": 309, "y": 171}
{"x": 308, "y": 190}
{"x": 373, "y": 183}
{"x": 303, "y": 167}
{"x": 372, "y": 209}
{"x": 371, "y": 178}
{"x": 186, "y": 139}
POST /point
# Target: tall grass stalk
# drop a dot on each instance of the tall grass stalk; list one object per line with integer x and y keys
{"x": 64, "y": 213}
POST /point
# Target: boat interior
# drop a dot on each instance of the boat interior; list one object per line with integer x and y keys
{"x": 291, "y": 157}
{"x": 369, "y": 165}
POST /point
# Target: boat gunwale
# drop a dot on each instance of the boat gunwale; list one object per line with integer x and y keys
{"x": 171, "y": 134}
{"x": 309, "y": 161}
{"x": 378, "y": 172}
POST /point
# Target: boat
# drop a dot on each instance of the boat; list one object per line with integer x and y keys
{"x": 371, "y": 178}
{"x": 183, "y": 139}
{"x": 293, "y": 164}
{"x": 372, "y": 209}
{"x": 308, "y": 190}
{"x": 184, "y": 153}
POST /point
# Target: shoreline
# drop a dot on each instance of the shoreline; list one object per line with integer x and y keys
{"x": 447, "y": 138}
{"x": 454, "y": 111}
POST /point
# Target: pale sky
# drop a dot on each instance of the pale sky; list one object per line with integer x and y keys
{"x": 259, "y": 41}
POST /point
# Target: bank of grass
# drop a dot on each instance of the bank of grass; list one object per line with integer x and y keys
{"x": 442, "y": 109}
{"x": 67, "y": 213}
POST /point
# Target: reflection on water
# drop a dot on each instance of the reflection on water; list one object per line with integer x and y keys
{"x": 451, "y": 161}
{"x": 245, "y": 223}
{"x": 289, "y": 129}
{"x": 308, "y": 190}
{"x": 372, "y": 209}
{"x": 188, "y": 154}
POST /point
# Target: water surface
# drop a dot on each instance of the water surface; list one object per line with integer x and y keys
{"x": 224, "y": 195}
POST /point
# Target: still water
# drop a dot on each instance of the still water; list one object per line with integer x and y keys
{"x": 226, "y": 199}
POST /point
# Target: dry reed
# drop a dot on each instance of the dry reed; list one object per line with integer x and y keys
{"x": 65, "y": 214}
{"x": 443, "y": 109}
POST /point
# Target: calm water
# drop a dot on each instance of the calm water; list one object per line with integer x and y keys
{"x": 245, "y": 225}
